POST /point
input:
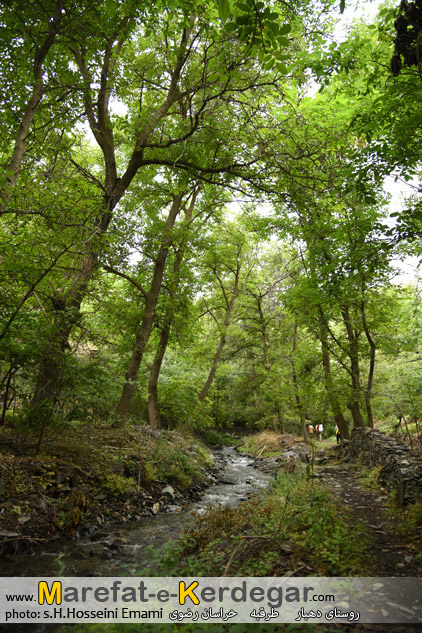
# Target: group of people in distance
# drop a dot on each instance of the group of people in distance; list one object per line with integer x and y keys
{"x": 318, "y": 430}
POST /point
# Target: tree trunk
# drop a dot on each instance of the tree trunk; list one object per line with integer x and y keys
{"x": 145, "y": 329}
{"x": 154, "y": 416}
{"x": 372, "y": 346}
{"x": 328, "y": 380}
{"x": 298, "y": 399}
{"x": 66, "y": 313}
{"x": 265, "y": 342}
{"x": 15, "y": 163}
{"x": 352, "y": 337}
{"x": 6, "y": 402}
{"x": 205, "y": 389}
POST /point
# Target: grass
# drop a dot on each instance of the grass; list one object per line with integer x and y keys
{"x": 369, "y": 477}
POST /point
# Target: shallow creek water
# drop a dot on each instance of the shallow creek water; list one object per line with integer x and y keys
{"x": 125, "y": 548}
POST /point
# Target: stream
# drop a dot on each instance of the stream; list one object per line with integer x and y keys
{"x": 123, "y": 549}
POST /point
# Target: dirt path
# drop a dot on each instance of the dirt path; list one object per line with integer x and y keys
{"x": 390, "y": 554}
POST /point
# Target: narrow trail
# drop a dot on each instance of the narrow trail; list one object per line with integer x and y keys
{"x": 390, "y": 555}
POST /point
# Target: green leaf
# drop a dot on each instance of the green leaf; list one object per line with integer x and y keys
{"x": 283, "y": 41}
{"x": 282, "y": 68}
{"x": 224, "y": 9}
{"x": 286, "y": 28}
{"x": 110, "y": 8}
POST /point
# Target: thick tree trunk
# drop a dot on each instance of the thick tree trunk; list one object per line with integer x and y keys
{"x": 154, "y": 416}
{"x": 328, "y": 380}
{"x": 65, "y": 314}
{"x": 15, "y": 163}
{"x": 205, "y": 389}
{"x": 354, "y": 403}
{"x": 147, "y": 322}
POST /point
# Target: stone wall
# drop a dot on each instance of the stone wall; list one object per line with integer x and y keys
{"x": 401, "y": 468}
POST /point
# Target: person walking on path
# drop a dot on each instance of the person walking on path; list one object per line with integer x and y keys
{"x": 319, "y": 430}
{"x": 338, "y": 434}
{"x": 311, "y": 431}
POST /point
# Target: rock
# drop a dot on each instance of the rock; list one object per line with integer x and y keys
{"x": 168, "y": 492}
{"x": 75, "y": 479}
{"x": 289, "y": 455}
{"x": 41, "y": 504}
{"x": 100, "y": 497}
{"x": 24, "y": 519}
{"x": 61, "y": 477}
{"x": 408, "y": 559}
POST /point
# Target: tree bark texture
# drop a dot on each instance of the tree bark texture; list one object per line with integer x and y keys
{"x": 147, "y": 322}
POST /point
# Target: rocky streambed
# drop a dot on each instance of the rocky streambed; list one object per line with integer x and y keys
{"x": 125, "y": 548}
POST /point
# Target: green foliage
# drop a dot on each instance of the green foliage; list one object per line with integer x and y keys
{"x": 175, "y": 460}
{"x": 216, "y": 438}
{"x": 369, "y": 477}
{"x": 118, "y": 485}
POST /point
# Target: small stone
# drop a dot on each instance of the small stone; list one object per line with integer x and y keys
{"x": 408, "y": 559}
{"x": 24, "y": 519}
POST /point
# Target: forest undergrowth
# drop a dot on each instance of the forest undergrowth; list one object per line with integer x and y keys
{"x": 91, "y": 473}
